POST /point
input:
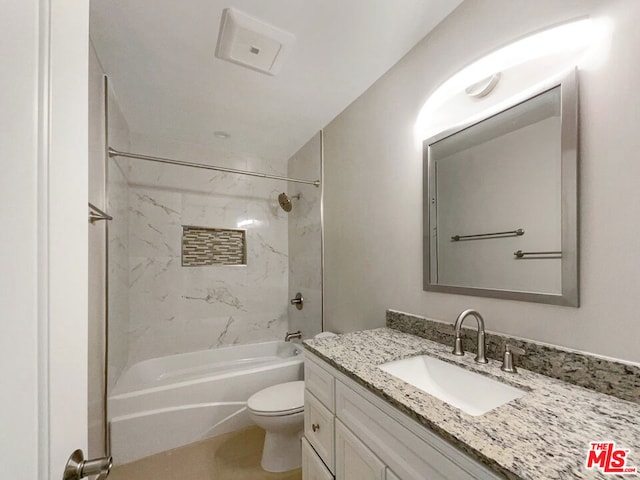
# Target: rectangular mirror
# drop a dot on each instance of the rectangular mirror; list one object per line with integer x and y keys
{"x": 500, "y": 202}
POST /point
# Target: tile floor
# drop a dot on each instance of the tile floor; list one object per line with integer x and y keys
{"x": 234, "y": 456}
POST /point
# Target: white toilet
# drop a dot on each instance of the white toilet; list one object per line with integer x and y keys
{"x": 279, "y": 410}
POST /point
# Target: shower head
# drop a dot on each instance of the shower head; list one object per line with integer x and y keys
{"x": 285, "y": 201}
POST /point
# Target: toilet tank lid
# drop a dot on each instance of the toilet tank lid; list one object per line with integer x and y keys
{"x": 278, "y": 398}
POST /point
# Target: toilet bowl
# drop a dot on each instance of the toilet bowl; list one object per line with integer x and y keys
{"x": 279, "y": 410}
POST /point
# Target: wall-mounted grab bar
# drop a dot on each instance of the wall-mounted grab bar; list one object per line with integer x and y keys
{"x": 95, "y": 214}
{"x": 510, "y": 233}
{"x": 550, "y": 254}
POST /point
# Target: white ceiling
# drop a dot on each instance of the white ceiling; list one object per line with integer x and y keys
{"x": 160, "y": 59}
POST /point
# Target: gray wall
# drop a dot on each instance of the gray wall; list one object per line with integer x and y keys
{"x": 373, "y": 185}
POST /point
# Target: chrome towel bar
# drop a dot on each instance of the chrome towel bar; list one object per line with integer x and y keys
{"x": 515, "y": 233}
{"x": 550, "y": 254}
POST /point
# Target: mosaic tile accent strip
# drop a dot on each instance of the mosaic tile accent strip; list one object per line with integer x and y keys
{"x": 605, "y": 376}
{"x": 203, "y": 246}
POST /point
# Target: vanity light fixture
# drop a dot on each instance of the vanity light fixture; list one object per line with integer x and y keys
{"x": 483, "y": 87}
{"x": 576, "y": 36}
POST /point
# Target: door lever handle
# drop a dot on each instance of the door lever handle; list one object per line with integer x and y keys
{"x": 77, "y": 467}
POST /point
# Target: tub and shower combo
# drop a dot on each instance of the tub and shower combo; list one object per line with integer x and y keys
{"x": 163, "y": 403}
{"x": 167, "y": 402}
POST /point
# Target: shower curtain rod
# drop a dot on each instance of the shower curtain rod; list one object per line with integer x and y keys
{"x": 115, "y": 153}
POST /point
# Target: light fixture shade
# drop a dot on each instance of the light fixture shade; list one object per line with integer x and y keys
{"x": 483, "y": 87}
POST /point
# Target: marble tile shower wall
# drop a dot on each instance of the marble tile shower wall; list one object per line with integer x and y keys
{"x": 174, "y": 309}
{"x": 305, "y": 240}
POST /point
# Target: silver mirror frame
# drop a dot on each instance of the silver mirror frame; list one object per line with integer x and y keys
{"x": 569, "y": 296}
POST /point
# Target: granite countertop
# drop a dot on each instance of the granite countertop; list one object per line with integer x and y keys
{"x": 542, "y": 435}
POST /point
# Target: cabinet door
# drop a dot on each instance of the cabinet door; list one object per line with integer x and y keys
{"x": 312, "y": 466}
{"x": 353, "y": 459}
{"x": 391, "y": 475}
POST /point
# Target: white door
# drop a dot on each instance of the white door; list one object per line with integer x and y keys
{"x": 43, "y": 218}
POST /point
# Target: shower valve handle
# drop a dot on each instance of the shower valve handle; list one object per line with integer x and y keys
{"x": 298, "y": 301}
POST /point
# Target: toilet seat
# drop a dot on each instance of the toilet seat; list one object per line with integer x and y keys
{"x": 278, "y": 400}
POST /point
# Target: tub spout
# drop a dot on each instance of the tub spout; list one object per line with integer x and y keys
{"x": 289, "y": 336}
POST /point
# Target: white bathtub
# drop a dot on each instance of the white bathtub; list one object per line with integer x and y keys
{"x": 167, "y": 402}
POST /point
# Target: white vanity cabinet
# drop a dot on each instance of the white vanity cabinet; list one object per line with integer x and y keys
{"x": 352, "y": 434}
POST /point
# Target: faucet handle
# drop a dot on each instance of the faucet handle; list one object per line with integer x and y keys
{"x": 507, "y": 360}
{"x": 514, "y": 349}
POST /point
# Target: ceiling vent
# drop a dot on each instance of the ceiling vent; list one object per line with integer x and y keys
{"x": 252, "y": 43}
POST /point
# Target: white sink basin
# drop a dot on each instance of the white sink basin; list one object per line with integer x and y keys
{"x": 471, "y": 392}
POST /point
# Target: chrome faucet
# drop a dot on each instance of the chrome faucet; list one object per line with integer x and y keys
{"x": 289, "y": 336}
{"x": 457, "y": 348}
